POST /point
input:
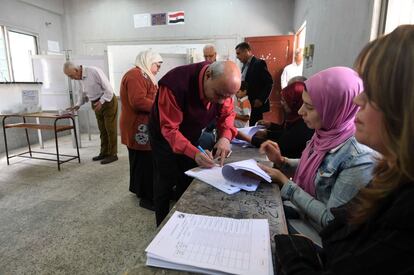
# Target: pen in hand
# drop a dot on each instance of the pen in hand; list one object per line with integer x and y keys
{"x": 209, "y": 162}
{"x": 204, "y": 152}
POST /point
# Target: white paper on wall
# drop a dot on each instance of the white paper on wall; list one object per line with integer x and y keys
{"x": 30, "y": 97}
{"x": 142, "y": 20}
{"x": 53, "y": 46}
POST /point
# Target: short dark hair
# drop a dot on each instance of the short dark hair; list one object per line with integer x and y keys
{"x": 244, "y": 86}
{"x": 243, "y": 46}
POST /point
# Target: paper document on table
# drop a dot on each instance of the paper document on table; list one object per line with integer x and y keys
{"x": 241, "y": 143}
{"x": 231, "y": 177}
{"x": 212, "y": 245}
{"x": 214, "y": 177}
{"x": 249, "y": 131}
{"x": 235, "y": 171}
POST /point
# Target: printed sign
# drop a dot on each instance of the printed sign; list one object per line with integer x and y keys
{"x": 142, "y": 20}
{"x": 30, "y": 97}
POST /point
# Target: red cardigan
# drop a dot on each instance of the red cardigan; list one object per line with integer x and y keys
{"x": 137, "y": 97}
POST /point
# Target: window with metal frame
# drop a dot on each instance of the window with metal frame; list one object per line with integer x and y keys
{"x": 21, "y": 48}
{"x": 4, "y": 65}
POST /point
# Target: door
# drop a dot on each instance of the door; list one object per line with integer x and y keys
{"x": 277, "y": 51}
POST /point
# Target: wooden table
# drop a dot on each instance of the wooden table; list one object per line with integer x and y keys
{"x": 50, "y": 127}
{"x": 201, "y": 198}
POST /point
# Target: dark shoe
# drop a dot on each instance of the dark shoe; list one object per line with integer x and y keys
{"x": 147, "y": 204}
{"x": 109, "y": 159}
{"x": 99, "y": 157}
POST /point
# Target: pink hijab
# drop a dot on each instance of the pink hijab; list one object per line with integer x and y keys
{"x": 331, "y": 91}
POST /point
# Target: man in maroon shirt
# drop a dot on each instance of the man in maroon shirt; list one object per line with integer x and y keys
{"x": 189, "y": 98}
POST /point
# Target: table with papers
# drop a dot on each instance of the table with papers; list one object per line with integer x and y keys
{"x": 203, "y": 199}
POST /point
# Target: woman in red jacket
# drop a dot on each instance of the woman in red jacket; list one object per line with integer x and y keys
{"x": 138, "y": 91}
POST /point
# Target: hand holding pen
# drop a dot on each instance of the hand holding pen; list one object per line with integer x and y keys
{"x": 204, "y": 158}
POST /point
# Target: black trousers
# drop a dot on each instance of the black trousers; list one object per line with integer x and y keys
{"x": 141, "y": 174}
{"x": 255, "y": 116}
{"x": 169, "y": 171}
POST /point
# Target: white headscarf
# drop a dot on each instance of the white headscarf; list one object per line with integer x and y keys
{"x": 144, "y": 61}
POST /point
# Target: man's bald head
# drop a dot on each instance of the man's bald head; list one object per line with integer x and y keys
{"x": 221, "y": 81}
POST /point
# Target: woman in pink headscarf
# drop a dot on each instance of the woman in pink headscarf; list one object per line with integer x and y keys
{"x": 333, "y": 161}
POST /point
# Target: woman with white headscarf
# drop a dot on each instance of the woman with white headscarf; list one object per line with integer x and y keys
{"x": 138, "y": 90}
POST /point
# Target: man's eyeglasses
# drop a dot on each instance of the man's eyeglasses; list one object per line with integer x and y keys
{"x": 218, "y": 95}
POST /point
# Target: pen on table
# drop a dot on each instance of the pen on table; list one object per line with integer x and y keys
{"x": 228, "y": 155}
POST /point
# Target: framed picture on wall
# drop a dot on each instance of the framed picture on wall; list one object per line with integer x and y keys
{"x": 158, "y": 19}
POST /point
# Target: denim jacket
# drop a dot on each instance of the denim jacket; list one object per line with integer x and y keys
{"x": 344, "y": 170}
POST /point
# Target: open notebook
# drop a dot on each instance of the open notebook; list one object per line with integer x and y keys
{"x": 212, "y": 245}
{"x": 231, "y": 177}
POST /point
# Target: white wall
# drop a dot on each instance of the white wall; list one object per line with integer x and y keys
{"x": 55, "y": 6}
{"x": 30, "y": 16}
{"x": 339, "y": 29}
{"x": 93, "y": 24}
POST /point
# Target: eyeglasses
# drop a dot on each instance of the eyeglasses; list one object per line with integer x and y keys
{"x": 158, "y": 65}
{"x": 218, "y": 95}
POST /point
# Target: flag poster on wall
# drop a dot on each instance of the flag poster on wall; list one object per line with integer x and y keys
{"x": 176, "y": 17}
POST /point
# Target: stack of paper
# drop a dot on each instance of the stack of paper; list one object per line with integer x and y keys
{"x": 231, "y": 178}
{"x": 212, "y": 245}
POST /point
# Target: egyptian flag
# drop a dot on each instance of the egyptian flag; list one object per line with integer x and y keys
{"x": 176, "y": 17}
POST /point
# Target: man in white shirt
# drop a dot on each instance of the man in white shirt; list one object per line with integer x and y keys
{"x": 95, "y": 86}
{"x": 292, "y": 70}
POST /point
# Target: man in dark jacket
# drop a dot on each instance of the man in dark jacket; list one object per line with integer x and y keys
{"x": 259, "y": 81}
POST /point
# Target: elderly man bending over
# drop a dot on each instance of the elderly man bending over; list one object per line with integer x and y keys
{"x": 189, "y": 98}
{"x": 95, "y": 86}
